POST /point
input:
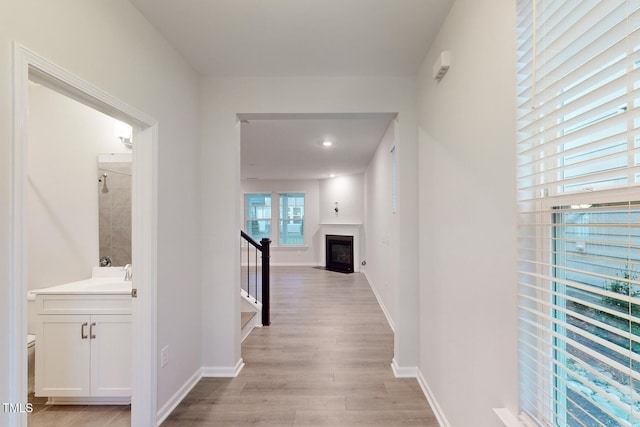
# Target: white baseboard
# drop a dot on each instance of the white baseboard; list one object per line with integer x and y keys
{"x": 61, "y": 400}
{"x": 403, "y": 372}
{"x": 437, "y": 410}
{"x": 281, "y": 264}
{"x": 223, "y": 371}
{"x": 380, "y": 303}
{"x": 294, "y": 264}
{"x": 175, "y": 400}
{"x": 209, "y": 371}
{"x": 414, "y": 372}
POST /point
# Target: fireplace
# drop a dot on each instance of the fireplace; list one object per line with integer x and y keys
{"x": 339, "y": 253}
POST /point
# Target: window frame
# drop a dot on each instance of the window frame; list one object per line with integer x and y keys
{"x": 281, "y": 219}
{"x": 248, "y": 219}
{"x": 605, "y": 201}
{"x": 617, "y": 197}
{"x": 274, "y": 218}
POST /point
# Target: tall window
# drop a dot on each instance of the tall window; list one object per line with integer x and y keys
{"x": 579, "y": 216}
{"x": 291, "y": 219}
{"x": 257, "y": 214}
{"x": 595, "y": 312}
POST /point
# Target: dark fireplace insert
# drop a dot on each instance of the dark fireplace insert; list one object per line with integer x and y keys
{"x": 339, "y": 253}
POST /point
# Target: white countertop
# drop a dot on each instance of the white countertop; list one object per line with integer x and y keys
{"x": 105, "y": 281}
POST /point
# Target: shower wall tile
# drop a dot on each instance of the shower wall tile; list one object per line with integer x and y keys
{"x": 105, "y": 249}
{"x": 115, "y": 212}
{"x": 121, "y": 216}
{"x": 119, "y": 182}
{"x": 121, "y": 255}
{"x": 105, "y": 238}
{"x": 121, "y": 198}
{"x": 105, "y": 216}
{"x": 121, "y": 235}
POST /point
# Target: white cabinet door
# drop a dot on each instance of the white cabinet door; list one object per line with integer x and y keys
{"x": 63, "y": 358}
{"x": 110, "y": 355}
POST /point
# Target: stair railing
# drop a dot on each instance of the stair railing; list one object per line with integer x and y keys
{"x": 264, "y": 295}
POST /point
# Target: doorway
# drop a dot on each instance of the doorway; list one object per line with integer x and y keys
{"x": 31, "y": 67}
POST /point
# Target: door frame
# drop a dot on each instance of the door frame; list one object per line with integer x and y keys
{"x": 29, "y": 65}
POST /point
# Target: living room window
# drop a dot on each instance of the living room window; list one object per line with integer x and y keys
{"x": 291, "y": 222}
{"x": 280, "y": 215}
{"x": 578, "y": 126}
{"x": 257, "y": 214}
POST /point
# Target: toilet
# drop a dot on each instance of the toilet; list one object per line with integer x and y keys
{"x": 31, "y": 341}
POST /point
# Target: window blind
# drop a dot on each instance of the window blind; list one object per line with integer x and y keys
{"x": 578, "y": 158}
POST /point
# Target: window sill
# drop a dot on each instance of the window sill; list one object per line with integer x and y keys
{"x": 290, "y": 247}
{"x": 508, "y": 419}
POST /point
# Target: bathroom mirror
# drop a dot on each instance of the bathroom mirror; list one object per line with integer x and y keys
{"x": 114, "y": 204}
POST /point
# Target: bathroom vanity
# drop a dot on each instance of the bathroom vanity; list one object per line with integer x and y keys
{"x": 83, "y": 344}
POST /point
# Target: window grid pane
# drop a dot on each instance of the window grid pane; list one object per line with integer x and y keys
{"x": 257, "y": 215}
{"x": 595, "y": 261}
{"x": 291, "y": 219}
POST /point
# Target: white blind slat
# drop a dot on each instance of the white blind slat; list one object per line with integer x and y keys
{"x": 578, "y": 170}
{"x": 559, "y": 374}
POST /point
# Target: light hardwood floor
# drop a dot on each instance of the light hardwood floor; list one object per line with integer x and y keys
{"x": 77, "y": 415}
{"x": 324, "y": 361}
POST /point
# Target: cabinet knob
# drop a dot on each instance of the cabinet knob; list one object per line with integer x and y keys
{"x": 91, "y": 334}
{"x": 83, "y": 333}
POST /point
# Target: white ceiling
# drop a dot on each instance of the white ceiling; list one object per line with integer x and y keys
{"x": 301, "y": 38}
{"x": 291, "y": 147}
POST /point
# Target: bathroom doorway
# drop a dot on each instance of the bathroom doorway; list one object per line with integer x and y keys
{"x": 34, "y": 70}
{"x": 78, "y": 227}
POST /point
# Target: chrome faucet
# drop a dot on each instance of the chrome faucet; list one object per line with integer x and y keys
{"x": 127, "y": 272}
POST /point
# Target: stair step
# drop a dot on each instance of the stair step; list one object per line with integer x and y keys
{"x": 245, "y": 317}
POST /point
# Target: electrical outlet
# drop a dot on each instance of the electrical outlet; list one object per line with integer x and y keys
{"x": 164, "y": 356}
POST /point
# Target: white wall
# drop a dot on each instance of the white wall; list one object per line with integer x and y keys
{"x": 65, "y": 138}
{"x": 108, "y": 44}
{"x": 380, "y": 226}
{"x": 348, "y": 191}
{"x": 307, "y": 255}
{"x": 223, "y": 99}
{"x": 468, "y": 344}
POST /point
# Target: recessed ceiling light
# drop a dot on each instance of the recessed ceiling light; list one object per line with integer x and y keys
{"x": 332, "y": 175}
{"x": 327, "y": 144}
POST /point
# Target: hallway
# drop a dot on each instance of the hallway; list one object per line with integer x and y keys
{"x": 324, "y": 361}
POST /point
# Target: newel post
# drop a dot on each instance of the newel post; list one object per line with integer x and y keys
{"x": 266, "y": 321}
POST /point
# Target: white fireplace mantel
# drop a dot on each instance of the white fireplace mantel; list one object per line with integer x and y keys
{"x": 351, "y": 229}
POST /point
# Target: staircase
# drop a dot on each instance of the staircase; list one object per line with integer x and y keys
{"x": 250, "y": 313}
{"x": 254, "y": 283}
